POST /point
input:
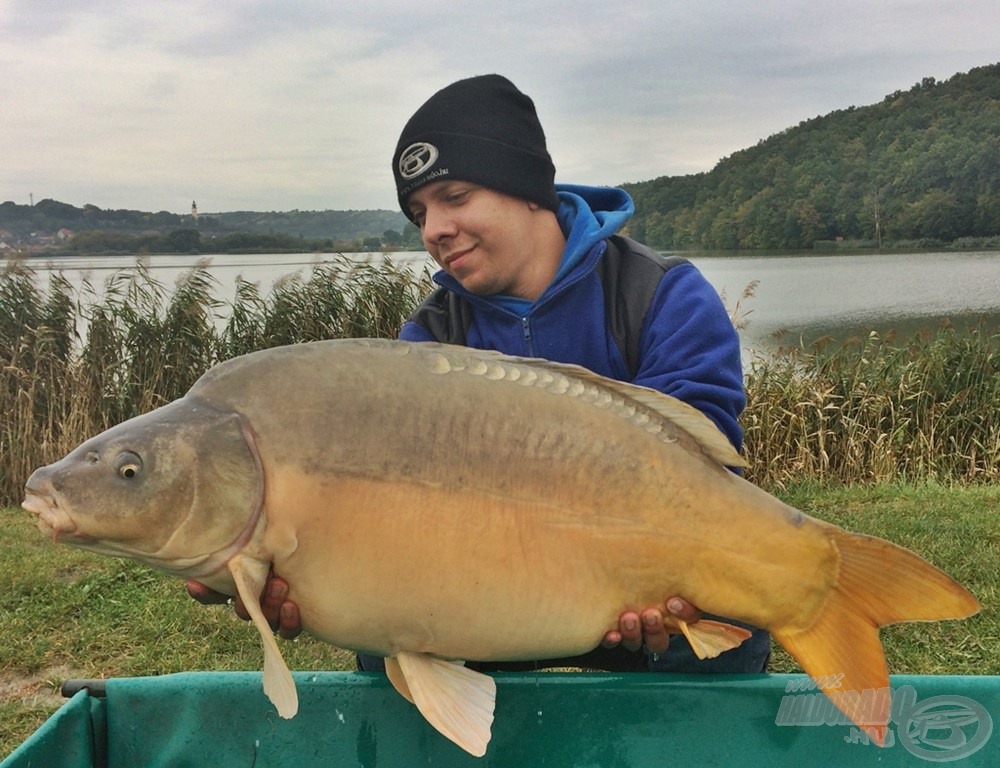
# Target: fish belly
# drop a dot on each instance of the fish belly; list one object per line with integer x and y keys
{"x": 385, "y": 567}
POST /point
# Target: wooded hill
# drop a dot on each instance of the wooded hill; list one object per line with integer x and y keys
{"x": 922, "y": 166}
{"x": 50, "y": 216}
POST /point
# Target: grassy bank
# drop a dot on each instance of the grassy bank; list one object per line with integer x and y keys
{"x": 69, "y": 614}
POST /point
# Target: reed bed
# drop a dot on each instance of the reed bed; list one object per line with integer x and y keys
{"x": 71, "y": 365}
{"x": 74, "y": 363}
{"x": 877, "y": 410}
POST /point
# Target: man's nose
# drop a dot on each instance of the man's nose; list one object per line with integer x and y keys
{"x": 438, "y": 225}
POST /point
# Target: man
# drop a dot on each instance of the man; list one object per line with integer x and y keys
{"x": 535, "y": 269}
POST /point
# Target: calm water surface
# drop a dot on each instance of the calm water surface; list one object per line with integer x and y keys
{"x": 802, "y": 296}
{"x": 806, "y": 296}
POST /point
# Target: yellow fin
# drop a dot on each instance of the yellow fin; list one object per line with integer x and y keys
{"x": 457, "y": 701}
{"x": 250, "y": 576}
{"x": 878, "y": 583}
{"x": 398, "y": 679}
{"x": 709, "y": 638}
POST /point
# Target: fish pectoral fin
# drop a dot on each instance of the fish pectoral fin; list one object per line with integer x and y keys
{"x": 456, "y": 700}
{"x": 398, "y": 679}
{"x": 709, "y": 638}
{"x": 250, "y": 576}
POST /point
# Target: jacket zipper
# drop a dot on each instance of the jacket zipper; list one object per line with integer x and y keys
{"x": 526, "y": 320}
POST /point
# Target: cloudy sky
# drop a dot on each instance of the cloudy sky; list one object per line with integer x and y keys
{"x": 254, "y": 105}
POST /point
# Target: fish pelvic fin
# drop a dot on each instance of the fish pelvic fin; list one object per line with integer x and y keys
{"x": 456, "y": 700}
{"x": 709, "y": 638}
{"x": 878, "y": 583}
{"x": 250, "y": 576}
{"x": 398, "y": 679}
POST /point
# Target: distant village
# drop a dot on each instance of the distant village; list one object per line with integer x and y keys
{"x": 11, "y": 244}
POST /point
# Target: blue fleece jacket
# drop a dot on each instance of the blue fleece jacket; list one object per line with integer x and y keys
{"x": 688, "y": 346}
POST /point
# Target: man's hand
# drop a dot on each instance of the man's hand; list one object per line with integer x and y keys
{"x": 635, "y": 630}
{"x": 282, "y": 614}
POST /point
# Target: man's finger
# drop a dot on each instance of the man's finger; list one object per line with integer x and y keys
{"x": 631, "y": 631}
{"x": 205, "y": 595}
{"x": 654, "y": 633}
{"x": 290, "y": 623}
{"x": 271, "y": 601}
{"x": 683, "y": 610}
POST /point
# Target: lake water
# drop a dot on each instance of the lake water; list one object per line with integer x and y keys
{"x": 806, "y": 296}
{"x": 801, "y": 296}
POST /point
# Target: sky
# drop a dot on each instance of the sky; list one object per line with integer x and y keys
{"x": 297, "y": 105}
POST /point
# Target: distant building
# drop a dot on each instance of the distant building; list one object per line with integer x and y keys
{"x": 64, "y": 234}
{"x": 194, "y": 210}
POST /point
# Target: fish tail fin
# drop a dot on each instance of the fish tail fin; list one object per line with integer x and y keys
{"x": 878, "y": 583}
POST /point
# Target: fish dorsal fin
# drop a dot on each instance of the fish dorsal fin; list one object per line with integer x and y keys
{"x": 250, "y": 576}
{"x": 560, "y": 379}
{"x": 702, "y": 429}
{"x": 454, "y": 699}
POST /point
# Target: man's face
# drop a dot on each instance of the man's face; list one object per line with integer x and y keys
{"x": 480, "y": 237}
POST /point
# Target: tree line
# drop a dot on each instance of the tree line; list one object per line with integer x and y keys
{"x": 190, "y": 240}
{"x": 921, "y": 167}
{"x": 122, "y": 229}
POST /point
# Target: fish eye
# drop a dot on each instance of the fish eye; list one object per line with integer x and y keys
{"x": 128, "y": 465}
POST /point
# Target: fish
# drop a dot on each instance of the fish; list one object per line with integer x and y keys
{"x": 435, "y": 504}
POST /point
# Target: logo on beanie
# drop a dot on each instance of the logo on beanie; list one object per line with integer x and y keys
{"x": 416, "y": 159}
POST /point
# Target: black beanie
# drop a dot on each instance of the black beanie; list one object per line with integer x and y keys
{"x": 483, "y": 130}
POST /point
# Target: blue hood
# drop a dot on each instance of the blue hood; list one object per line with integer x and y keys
{"x": 587, "y": 216}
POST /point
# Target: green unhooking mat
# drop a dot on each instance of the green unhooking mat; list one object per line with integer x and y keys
{"x": 223, "y": 720}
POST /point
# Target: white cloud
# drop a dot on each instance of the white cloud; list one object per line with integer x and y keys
{"x": 298, "y": 105}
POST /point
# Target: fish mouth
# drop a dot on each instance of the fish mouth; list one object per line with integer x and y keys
{"x": 52, "y": 519}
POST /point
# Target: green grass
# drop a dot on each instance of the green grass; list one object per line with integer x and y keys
{"x": 71, "y": 614}
{"x": 67, "y": 613}
{"x": 852, "y": 419}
